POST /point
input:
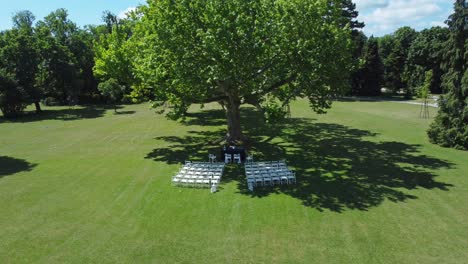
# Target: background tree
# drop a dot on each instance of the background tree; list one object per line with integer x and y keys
{"x": 19, "y": 55}
{"x": 349, "y": 19}
{"x": 425, "y": 90}
{"x": 238, "y": 52}
{"x": 66, "y": 58}
{"x": 113, "y": 91}
{"x": 450, "y": 127}
{"x": 426, "y": 53}
{"x": 349, "y": 16}
{"x": 395, "y": 60}
{"x": 113, "y": 53}
{"x": 372, "y": 70}
{"x": 13, "y": 98}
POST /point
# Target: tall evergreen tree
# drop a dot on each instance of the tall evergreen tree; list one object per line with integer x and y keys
{"x": 372, "y": 72}
{"x": 350, "y": 15}
{"x": 359, "y": 43}
{"x": 349, "y": 18}
{"x": 450, "y": 127}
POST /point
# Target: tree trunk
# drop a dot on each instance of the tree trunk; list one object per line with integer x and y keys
{"x": 38, "y": 107}
{"x": 233, "y": 121}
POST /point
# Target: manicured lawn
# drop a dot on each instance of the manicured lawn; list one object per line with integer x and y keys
{"x": 88, "y": 186}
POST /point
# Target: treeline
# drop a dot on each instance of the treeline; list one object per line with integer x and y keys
{"x": 397, "y": 63}
{"x": 52, "y": 62}
{"x": 55, "y": 62}
{"x": 410, "y": 62}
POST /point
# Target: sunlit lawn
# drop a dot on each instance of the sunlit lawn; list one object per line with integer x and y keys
{"x": 85, "y": 185}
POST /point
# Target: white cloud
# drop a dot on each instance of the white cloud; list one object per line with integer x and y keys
{"x": 362, "y": 4}
{"x": 124, "y": 14}
{"x": 385, "y": 16}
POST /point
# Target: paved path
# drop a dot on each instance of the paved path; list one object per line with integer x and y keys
{"x": 415, "y": 103}
{"x": 380, "y": 99}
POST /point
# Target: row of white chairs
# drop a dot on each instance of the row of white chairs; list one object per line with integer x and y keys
{"x": 268, "y": 173}
{"x": 270, "y": 180}
{"x": 232, "y": 158}
{"x": 265, "y": 164}
{"x": 199, "y": 174}
{"x": 199, "y": 164}
{"x": 197, "y": 182}
{"x": 266, "y": 168}
{"x": 274, "y": 172}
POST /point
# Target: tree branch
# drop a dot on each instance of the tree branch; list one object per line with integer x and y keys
{"x": 259, "y": 71}
{"x": 210, "y": 100}
{"x": 278, "y": 84}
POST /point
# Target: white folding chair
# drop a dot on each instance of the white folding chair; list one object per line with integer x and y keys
{"x": 249, "y": 159}
{"x": 250, "y": 185}
{"x": 267, "y": 181}
{"x": 292, "y": 177}
{"x": 199, "y": 182}
{"x": 258, "y": 181}
{"x": 176, "y": 180}
{"x": 227, "y": 158}
{"x": 212, "y": 157}
{"x": 275, "y": 179}
{"x": 191, "y": 182}
{"x": 206, "y": 183}
{"x": 284, "y": 178}
{"x": 237, "y": 157}
{"x": 184, "y": 182}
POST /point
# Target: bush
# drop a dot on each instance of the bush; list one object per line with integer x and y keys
{"x": 13, "y": 98}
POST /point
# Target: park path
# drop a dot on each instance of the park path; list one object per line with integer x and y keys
{"x": 416, "y": 103}
{"x": 381, "y": 99}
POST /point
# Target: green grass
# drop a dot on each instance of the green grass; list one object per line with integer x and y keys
{"x": 88, "y": 186}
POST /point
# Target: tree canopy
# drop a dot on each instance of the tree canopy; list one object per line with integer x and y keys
{"x": 426, "y": 54}
{"x": 258, "y": 52}
{"x": 450, "y": 127}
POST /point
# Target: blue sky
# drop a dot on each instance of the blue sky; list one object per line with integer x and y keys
{"x": 385, "y": 16}
{"x": 82, "y": 12}
{"x": 381, "y": 16}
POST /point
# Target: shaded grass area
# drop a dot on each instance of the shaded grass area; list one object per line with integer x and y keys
{"x": 65, "y": 114}
{"x": 338, "y": 168}
{"x": 10, "y": 166}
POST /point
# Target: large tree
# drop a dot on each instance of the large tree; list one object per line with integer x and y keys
{"x": 19, "y": 55}
{"x": 113, "y": 55}
{"x": 426, "y": 54}
{"x": 13, "y": 98}
{"x": 349, "y": 15}
{"x": 396, "y": 59}
{"x": 372, "y": 70}
{"x": 259, "y": 52}
{"x": 66, "y": 58}
{"x": 450, "y": 127}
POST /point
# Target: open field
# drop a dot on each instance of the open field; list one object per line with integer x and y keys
{"x": 88, "y": 186}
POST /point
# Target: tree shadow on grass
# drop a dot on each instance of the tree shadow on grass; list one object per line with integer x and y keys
{"x": 125, "y": 112}
{"x": 337, "y": 167}
{"x": 10, "y": 166}
{"x": 212, "y": 117}
{"x": 68, "y": 114}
